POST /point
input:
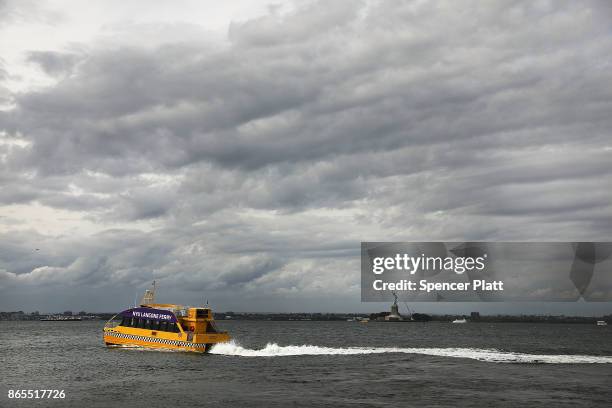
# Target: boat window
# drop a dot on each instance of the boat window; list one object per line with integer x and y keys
{"x": 141, "y": 323}
{"x": 201, "y": 313}
{"x": 147, "y": 324}
{"x": 124, "y": 321}
{"x": 132, "y": 322}
{"x": 210, "y": 327}
{"x": 163, "y": 326}
{"x": 155, "y": 325}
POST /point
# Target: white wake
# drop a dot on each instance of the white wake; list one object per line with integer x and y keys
{"x": 488, "y": 355}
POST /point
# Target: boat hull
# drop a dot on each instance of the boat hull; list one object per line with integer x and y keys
{"x": 116, "y": 338}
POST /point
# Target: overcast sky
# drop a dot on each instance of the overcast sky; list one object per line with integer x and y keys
{"x": 240, "y": 151}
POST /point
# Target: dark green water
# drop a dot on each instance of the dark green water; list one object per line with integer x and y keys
{"x": 348, "y": 364}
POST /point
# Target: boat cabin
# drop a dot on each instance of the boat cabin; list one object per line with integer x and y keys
{"x": 190, "y": 321}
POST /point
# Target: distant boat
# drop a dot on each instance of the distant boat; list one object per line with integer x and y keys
{"x": 61, "y": 319}
{"x": 459, "y": 321}
{"x": 601, "y": 323}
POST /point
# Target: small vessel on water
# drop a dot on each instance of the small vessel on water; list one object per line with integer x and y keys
{"x": 601, "y": 323}
{"x": 459, "y": 321}
{"x": 161, "y": 325}
{"x": 60, "y": 319}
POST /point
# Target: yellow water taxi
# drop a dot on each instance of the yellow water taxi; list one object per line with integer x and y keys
{"x": 167, "y": 326}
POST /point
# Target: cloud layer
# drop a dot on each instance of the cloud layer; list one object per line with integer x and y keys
{"x": 252, "y": 167}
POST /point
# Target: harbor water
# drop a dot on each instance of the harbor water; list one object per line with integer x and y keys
{"x": 317, "y": 364}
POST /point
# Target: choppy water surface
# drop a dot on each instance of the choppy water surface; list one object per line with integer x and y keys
{"x": 314, "y": 364}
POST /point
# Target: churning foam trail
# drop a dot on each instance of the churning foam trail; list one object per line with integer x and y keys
{"x": 488, "y": 355}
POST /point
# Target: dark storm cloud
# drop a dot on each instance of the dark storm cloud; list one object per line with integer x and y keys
{"x": 262, "y": 162}
{"x": 124, "y": 258}
{"x": 184, "y": 104}
{"x": 12, "y": 194}
{"x": 53, "y": 63}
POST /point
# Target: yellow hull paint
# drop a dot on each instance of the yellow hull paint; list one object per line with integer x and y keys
{"x": 172, "y": 341}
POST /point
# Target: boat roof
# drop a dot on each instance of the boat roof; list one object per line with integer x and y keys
{"x": 172, "y": 306}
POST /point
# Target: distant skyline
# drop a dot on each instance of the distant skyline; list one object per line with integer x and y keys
{"x": 240, "y": 152}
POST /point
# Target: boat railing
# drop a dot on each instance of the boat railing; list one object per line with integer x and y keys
{"x": 112, "y": 322}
